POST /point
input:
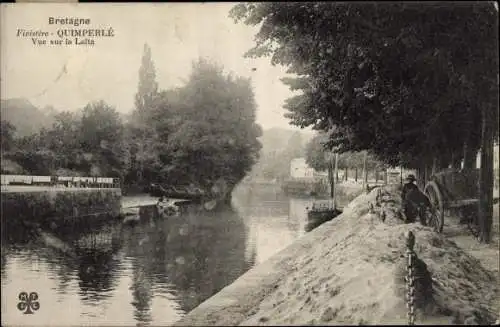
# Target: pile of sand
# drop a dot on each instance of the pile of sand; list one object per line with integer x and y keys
{"x": 356, "y": 275}
{"x": 351, "y": 270}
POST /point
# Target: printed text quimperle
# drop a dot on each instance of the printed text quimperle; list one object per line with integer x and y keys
{"x": 79, "y": 32}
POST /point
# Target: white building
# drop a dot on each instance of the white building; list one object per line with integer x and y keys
{"x": 300, "y": 169}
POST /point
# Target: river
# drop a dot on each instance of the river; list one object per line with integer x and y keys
{"x": 149, "y": 274}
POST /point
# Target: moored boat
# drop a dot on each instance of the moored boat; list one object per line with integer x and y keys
{"x": 322, "y": 211}
{"x": 177, "y": 192}
{"x": 210, "y": 199}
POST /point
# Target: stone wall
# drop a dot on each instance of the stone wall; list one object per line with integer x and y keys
{"x": 56, "y": 207}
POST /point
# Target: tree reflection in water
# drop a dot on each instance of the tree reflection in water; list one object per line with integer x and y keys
{"x": 197, "y": 254}
{"x": 142, "y": 293}
{"x": 182, "y": 260}
{"x": 94, "y": 260}
{"x": 96, "y": 275}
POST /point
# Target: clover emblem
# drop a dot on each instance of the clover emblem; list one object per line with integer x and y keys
{"x": 28, "y": 304}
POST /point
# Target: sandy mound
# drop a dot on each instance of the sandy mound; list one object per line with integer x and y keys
{"x": 355, "y": 274}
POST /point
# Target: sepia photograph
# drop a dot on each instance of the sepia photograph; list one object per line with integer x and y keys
{"x": 250, "y": 163}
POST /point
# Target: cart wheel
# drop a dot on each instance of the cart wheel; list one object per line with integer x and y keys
{"x": 436, "y": 220}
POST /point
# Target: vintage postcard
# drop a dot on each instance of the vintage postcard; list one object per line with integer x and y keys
{"x": 260, "y": 163}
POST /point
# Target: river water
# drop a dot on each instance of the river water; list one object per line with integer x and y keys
{"x": 152, "y": 273}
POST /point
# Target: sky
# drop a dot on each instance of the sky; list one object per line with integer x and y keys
{"x": 177, "y": 33}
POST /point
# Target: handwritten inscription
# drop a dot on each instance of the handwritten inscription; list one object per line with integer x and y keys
{"x": 78, "y": 33}
{"x": 28, "y": 303}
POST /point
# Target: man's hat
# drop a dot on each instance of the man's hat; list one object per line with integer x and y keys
{"x": 411, "y": 178}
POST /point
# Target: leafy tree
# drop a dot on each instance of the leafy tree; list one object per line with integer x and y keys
{"x": 141, "y": 138}
{"x": 140, "y": 145}
{"x": 382, "y": 75}
{"x": 203, "y": 133}
{"x": 295, "y": 148}
{"x": 33, "y": 155}
{"x": 148, "y": 87}
{"x": 63, "y": 139}
{"x": 388, "y": 77}
{"x": 101, "y": 138}
{"x": 318, "y": 156}
{"x": 89, "y": 142}
{"x": 316, "y": 153}
{"x": 8, "y": 134}
{"x": 215, "y": 135}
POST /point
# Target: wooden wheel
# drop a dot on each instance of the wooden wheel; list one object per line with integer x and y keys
{"x": 436, "y": 219}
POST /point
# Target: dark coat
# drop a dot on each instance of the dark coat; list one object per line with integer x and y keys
{"x": 411, "y": 195}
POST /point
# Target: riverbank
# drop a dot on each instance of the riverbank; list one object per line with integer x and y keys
{"x": 351, "y": 270}
{"x": 52, "y": 207}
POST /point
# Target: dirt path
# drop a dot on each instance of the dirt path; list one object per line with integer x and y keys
{"x": 487, "y": 254}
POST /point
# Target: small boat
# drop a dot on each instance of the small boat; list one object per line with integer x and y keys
{"x": 179, "y": 192}
{"x": 319, "y": 214}
{"x": 209, "y": 199}
{"x": 322, "y": 212}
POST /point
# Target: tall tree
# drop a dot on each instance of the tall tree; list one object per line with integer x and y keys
{"x": 316, "y": 153}
{"x": 142, "y": 134}
{"x": 64, "y": 139}
{"x": 101, "y": 139}
{"x": 147, "y": 87}
{"x": 383, "y": 74}
{"x": 216, "y": 134}
{"x": 388, "y": 77}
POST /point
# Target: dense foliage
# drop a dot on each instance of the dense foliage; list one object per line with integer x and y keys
{"x": 319, "y": 157}
{"x": 212, "y": 132}
{"x": 381, "y": 76}
{"x": 200, "y": 133}
{"x": 7, "y": 135}
{"x": 280, "y": 146}
{"x": 416, "y": 84}
{"x": 87, "y": 143}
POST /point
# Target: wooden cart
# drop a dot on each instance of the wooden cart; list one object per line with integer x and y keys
{"x": 454, "y": 191}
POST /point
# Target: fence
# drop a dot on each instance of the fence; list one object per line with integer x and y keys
{"x": 63, "y": 181}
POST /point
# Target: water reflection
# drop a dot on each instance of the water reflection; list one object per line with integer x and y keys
{"x": 274, "y": 220}
{"x": 96, "y": 275}
{"x": 151, "y": 273}
{"x": 141, "y": 293}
